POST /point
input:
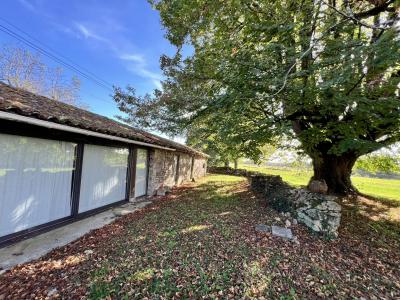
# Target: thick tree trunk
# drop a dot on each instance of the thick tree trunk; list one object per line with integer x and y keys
{"x": 226, "y": 164}
{"x": 236, "y": 164}
{"x": 336, "y": 171}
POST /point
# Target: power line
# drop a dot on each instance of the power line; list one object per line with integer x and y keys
{"x": 28, "y": 43}
{"x": 45, "y": 53}
{"x": 20, "y": 38}
{"x": 97, "y": 98}
{"x": 57, "y": 53}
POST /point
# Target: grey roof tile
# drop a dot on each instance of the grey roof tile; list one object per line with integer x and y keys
{"x": 25, "y": 103}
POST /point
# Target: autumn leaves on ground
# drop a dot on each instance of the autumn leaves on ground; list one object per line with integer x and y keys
{"x": 200, "y": 241}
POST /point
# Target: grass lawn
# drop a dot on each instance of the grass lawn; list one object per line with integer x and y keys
{"x": 200, "y": 242}
{"x": 376, "y": 187}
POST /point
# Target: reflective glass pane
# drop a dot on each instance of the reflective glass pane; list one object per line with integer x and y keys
{"x": 35, "y": 181}
{"x": 141, "y": 173}
{"x": 103, "y": 176}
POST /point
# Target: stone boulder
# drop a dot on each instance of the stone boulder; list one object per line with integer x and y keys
{"x": 318, "y": 186}
{"x": 320, "y": 213}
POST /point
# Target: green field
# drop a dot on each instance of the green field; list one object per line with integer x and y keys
{"x": 376, "y": 187}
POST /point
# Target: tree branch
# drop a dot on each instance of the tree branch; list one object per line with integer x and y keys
{"x": 375, "y": 11}
{"x": 356, "y": 84}
{"x": 312, "y": 45}
{"x": 352, "y": 17}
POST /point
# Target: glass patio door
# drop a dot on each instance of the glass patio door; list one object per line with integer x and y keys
{"x": 35, "y": 181}
{"x": 104, "y": 171}
{"x": 141, "y": 173}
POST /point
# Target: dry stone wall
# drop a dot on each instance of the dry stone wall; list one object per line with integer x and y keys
{"x": 321, "y": 213}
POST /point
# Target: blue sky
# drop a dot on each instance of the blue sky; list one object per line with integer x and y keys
{"x": 120, "y": 41}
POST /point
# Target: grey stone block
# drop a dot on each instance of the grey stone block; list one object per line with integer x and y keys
{"x": 161, "y": 192}
{"x": 282, "y": 232}
{"x": 263, "y": 228}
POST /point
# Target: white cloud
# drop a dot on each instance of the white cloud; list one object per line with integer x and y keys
{"x": 89, "y": 33}
{"x": 157, "y": 83}
{"x": 137, "y": 58}
{"x": 28, "y": 5}
{"x": 135, "y": 62}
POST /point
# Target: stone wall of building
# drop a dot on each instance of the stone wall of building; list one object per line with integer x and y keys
{"x": 199, "y": 167}
{"x": 185, "y": 165}
{"x": 162, "y": 169}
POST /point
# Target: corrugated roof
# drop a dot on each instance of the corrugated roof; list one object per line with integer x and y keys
{"x": 28, "y": 104}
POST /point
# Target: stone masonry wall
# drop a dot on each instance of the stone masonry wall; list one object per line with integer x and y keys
{"x": 199, "y": 167}
{"x": 162, "y": 169}
{"x": 321, "y": 213}
{"x": 185, "y": 164}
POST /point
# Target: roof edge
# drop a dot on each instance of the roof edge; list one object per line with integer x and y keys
{"x": 52, "y": 125}
{"x": 43, "y": 111}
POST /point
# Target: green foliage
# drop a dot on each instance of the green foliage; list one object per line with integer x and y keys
{"x": 267, "y": 151}
{"x": 219, "y": 147}
{"x": 378, "y": 164}
{"x": 326, "y": 74}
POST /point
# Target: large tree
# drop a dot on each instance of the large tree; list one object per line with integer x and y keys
{"x": 325, "y": 72}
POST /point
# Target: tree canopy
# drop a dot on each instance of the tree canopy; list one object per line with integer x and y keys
{"x": 324, "y": 72}
{"x": 383, "y": 163}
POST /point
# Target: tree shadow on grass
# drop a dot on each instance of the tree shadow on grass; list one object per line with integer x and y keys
{"x": 385, "y": 201}
{"x": 372, "y": 222}
{"x": 374, "y": 209}
{"x": 200, "y": 240}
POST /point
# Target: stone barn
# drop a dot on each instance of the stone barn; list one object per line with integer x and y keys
{"x": 59, "y": 163}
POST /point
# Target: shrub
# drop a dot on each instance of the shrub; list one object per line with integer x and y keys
{"x": 378, "y": 164}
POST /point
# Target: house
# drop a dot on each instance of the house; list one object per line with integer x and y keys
{"x": 59, "y": 163}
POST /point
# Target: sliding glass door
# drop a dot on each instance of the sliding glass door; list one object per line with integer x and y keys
{"x": 104, "y": 175}
{"x": 141, "y": 173}
{"x": 35, "y": 181}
